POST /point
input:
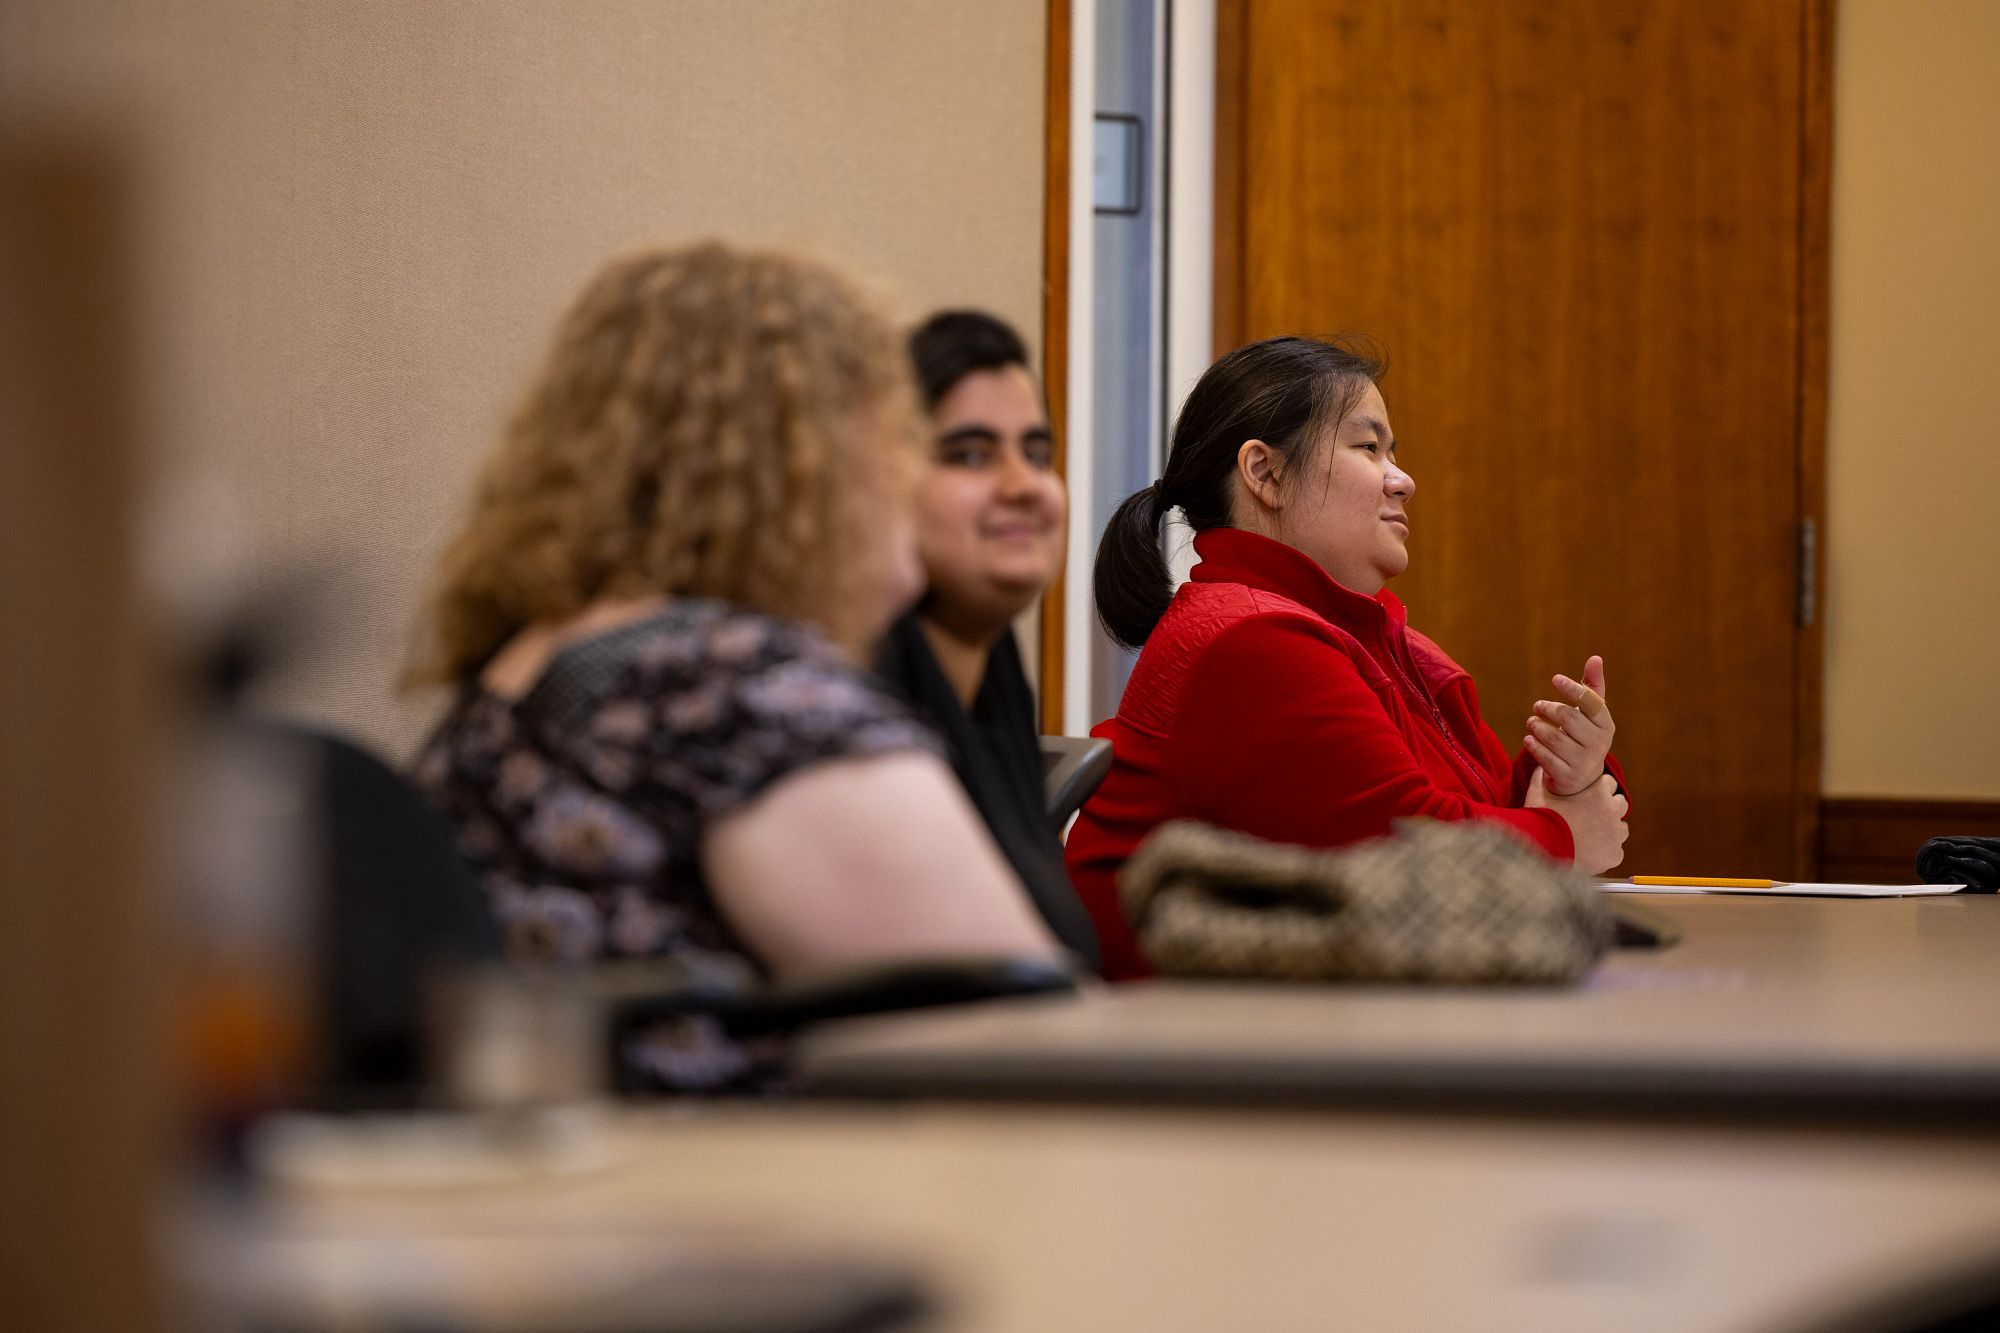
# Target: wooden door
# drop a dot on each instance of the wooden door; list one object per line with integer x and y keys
{"x": 1590, "y": 236}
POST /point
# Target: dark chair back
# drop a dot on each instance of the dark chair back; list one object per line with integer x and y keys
{"x": 1072, "y": 766}
{"x": 397, "y": 904}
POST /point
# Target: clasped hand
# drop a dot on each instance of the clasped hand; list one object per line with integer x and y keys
{"x": 1571, "y": 739}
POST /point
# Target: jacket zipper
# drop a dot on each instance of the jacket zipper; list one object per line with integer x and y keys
{"x": 1472, "y": 770}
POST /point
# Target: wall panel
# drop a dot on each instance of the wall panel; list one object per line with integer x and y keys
{"x": 1913, "y": 441}
{"x": 363, "y": 219}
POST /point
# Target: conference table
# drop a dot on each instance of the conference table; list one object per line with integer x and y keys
{"x": 1179, "y": 1156}
{"x": 1022, "y": 1217}
{"x": 1800, "y": 1007}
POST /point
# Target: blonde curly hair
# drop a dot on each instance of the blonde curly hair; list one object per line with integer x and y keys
{"x": 711, "y": 422}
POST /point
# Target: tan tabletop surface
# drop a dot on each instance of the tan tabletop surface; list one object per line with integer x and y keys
{"x": 1034, "y": 1218}
{"x": 1888, "y": 1005}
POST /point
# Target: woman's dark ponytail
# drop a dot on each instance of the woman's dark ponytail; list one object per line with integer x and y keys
{"x": 1131, "y": 579}
{"x": 1283, "y": 391}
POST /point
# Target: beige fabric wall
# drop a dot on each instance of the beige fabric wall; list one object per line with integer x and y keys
{"x": 1913, "y": 465}
{"x": 363, "y": 219}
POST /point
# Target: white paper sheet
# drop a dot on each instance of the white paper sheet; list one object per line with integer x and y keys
{"x": 1800, "y": 890}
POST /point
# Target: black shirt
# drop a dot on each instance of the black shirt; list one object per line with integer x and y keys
{"x": 994, "y": 751}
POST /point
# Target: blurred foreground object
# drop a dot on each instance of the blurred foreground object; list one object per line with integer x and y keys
{"x": 337, "y": 1281}
{"x": 325, "y": 902}
{"x": 81, "y": 1085}
{"x": 510, "y": 1038}
{"x": 1047, "y": 1218}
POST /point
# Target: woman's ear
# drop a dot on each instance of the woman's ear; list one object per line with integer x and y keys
{"x": 1258, "y": 466}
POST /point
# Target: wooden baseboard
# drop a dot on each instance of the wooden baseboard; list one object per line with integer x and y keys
{"x": 1869, "y": 840}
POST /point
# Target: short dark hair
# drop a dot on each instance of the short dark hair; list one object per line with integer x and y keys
{"x": 954, "y": 343}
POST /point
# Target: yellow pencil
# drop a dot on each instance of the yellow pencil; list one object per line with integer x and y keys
{"x": 1705, "y": 882}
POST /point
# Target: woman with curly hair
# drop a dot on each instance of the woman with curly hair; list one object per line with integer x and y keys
{"x": 661, "y": 743}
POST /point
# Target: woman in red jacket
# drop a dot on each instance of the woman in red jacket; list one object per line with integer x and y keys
{"x": 1279, "y": 692}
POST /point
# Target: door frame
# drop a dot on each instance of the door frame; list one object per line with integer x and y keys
{"x": 1187, "y": 200}
{"x": 1068, "y": 96}
{"x": 1055, "y": 326}
{"x": 1815, "y": 304}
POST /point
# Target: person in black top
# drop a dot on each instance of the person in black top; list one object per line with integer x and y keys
{"x": 992, "y": 520}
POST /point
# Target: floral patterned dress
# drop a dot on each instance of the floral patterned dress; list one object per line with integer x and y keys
{"x": 582, "y": 804}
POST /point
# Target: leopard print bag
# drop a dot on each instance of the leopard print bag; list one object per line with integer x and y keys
{"x": 1438, "y": 903}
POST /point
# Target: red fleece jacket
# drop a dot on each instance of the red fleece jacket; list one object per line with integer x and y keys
{"x": 1274, "y": 701}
